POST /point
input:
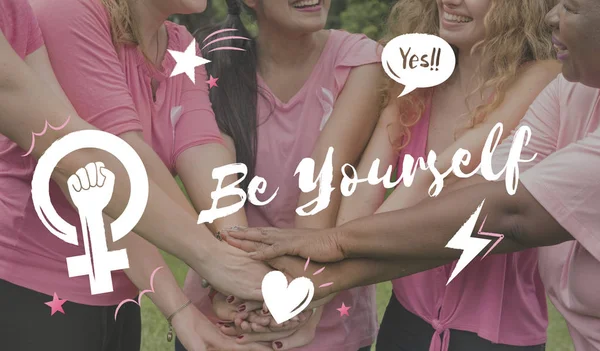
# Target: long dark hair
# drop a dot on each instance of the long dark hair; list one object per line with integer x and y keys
{"x": 234, "y": 101}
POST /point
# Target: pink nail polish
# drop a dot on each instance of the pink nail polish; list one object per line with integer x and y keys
{"x": 240, "y": 337}
{"x": 242, "y": 308}
{"x": 278, "y": 345}
{"x": 230, "y": 299}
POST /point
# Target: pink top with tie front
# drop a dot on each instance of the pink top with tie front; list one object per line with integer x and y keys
{"x": 501, "y": 298}
{"x": 111, "y": 89}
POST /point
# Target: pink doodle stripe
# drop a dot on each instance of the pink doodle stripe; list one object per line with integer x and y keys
{"x": 222, "y": 39}
{"x": 139, "y": 301}
{"x": 46, "y": 125}
{"x": 496, "y": 235}
{"x": 227, "y": 48}
{"x": 326, "y": 285}
{"x": 319, "y": 271}
{"x": 306, "y": 264}
{"x": 219, "y": 32}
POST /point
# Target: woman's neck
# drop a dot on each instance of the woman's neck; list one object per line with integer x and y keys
{"x": 280, "y": 48}
{"x": 467, "y": 66}
{"x": 149, "y": 18}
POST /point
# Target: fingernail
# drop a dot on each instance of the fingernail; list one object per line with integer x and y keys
{"x": 265, "y": 310}
{"x": 230, "y": 299}
{"x": 240, "y": 337}
{"x": 242, "y": 308}
{"x": 278, "y": 345}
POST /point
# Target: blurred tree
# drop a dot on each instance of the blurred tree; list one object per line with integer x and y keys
{"x": 368, "y": 17}
{"x": 356, "y": 16}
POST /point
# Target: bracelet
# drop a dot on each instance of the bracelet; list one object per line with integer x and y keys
{"x": 170, "y": 318}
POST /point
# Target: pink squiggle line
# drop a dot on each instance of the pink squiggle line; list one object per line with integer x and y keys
{"x": 220, "y": 31}
{"x": 319, "y": 271}
{"x": 222, "y": 39}
{"x": 46, "y": 125}
{"x": 326, "y": 285}
{"x": 496, "y": 235}
{"x": 306, "y": 264}
{"x": 227, "y": 48}
{"x": 139, "y": 301}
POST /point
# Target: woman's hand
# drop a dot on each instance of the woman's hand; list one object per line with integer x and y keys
{"x": 287, "y": 340}
{"x": 197, "y": 333}
{"x": 319, "y": 245}
{"x": 234, "y": 273}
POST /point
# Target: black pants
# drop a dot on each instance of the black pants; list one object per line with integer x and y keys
{"x": 401, "y": 330}
{"x": 179, "y": 347}
{"x": 26, "y": 324}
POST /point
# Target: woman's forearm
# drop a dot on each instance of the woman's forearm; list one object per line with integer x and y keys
{"x": 26, "y": 104}
{"x": 144, "y": 259}
{"x": 422, "y": 232}
{"x": 199, "y": 183}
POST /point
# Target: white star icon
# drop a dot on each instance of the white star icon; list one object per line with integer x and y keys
{"x": 187, "y": 61}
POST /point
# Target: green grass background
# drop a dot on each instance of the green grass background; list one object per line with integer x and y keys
{"x": 154, "y": 333}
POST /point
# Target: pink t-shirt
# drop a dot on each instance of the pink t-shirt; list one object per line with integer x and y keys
{"x": 111, "y": 90}
{"x": 20, "y": 27}
{"x": 565, "y": 121}
{"x": 288, "y": 133}
{"x": 501, "y": 298}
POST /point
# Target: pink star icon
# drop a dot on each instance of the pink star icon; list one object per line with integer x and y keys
{"x": 212, "y": 82}
{"x": 344, "y": 310}
{"x": 56, "y": 305}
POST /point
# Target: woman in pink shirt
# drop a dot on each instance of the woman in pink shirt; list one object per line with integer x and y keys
{"x": 32, "y": 262}
{"x": 296, "y": 91}
{"x": 498, "y": 75}
{"x": 556, "y": 208}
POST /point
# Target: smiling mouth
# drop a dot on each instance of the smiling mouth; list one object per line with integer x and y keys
{"x": 305, "y": 4}
{"x": 456, "y": 18}
{"x": 560, "y": 48}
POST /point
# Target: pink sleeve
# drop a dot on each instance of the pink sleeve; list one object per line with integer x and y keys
{"x": 79, "y": 44}
{"x": 197, "y": 124}
{"x": 355, "y": 50}
{"x": 543, "y": 118}
{"x": 566, "y": 184}
{"x": 36, "y": 40}
{"x": 20, "y": 27}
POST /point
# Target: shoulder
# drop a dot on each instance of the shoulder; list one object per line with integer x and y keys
{"x": 179, "y": 36}
{"x": 352, "y": 49}
{"x": 76, "y": 15}
{"x": 543, "y": 71}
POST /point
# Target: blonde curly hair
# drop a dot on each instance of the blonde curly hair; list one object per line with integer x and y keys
{"x": 515, "y": 33}
{"x": 123, "y": 28}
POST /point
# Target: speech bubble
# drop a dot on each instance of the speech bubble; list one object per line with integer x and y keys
{"x": 418, "y": 61}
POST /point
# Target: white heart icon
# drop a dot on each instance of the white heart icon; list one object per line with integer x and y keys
{"x": 285, "y": 302}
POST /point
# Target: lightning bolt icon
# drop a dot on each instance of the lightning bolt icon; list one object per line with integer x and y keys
{"x": 470, "y": 246}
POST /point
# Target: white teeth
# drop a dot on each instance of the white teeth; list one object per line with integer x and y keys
{"x": 455, "y": 18}
{"x": 306, "y": 3}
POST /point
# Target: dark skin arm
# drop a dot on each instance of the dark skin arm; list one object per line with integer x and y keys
{"x": 413, "y": 235}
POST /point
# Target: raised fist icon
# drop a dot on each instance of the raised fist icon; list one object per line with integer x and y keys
{"x": 91, "y": 188}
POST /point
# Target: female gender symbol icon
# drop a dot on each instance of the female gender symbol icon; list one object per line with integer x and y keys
{"x": 91, "y": 216}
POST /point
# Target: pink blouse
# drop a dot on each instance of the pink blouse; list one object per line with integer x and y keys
{"x": 288, "y": 133}
{"x": 565, "y": 126}
{"x": 501, "y": 298}
{"x": 111, "y": 90}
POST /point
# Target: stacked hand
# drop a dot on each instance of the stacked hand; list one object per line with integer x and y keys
{"x": 270, "y": 243}
{"x": 250, "y": 322}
